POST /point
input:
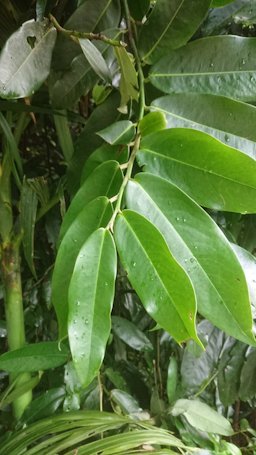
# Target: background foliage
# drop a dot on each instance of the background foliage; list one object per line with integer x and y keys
{"x": 127, "y": 224}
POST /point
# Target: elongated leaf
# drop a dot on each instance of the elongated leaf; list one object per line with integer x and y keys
{"x": 90, "y": 16}
{"x": 104, "y": 153}
{"x": 105, "y": 180}
{"x": 25, "y": 59}
{"x": 118, "y": 133}
{"x": 169, "y": 26}
{"x": 202, "y": 417}
{"x": 198, "y": 368}
{"x": 128, "y": 85}
{"x": 217, "y": 277}
{"x": 12, "y": 145}
{"x": 130, "y": 334}
{"x": 34, "y": 357}
{"x": 248, "y": 263}
{"x": 95, "y": 59}
{"x": 228, "y": 120}
{"x": 91, "y": 295}
{"x": 28, "y": 208}
{"x": 203, "y": 67}
{"x": 162, "y": 285}
{"x": 45, "y": 405}
{"x": 94, "y": 215}
{"x": 218, "y": 19}
{"x": 213, "y": 174}
{"x": 229, "y": 370}
{"x": 172, "y": 379}
{"x": 126, "y": 402}
{"x": 247, "y": 382}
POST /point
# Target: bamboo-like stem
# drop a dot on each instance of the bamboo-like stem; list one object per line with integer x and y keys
{"x": 11, "y": 278}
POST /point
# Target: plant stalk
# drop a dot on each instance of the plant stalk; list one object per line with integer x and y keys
{"x": 11, "y": 278}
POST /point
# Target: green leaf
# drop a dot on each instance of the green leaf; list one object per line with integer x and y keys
{"x": 217, "y": 277}
{"x": 130, "y": 334}
{"x": 34, "y": 357}
{"x": 126, "y": 402}
{"x": 95, "y": 59}
{"x": 228, "y": 120}
{"x": 94, "y": 215}
{"x": 28, "y": 209}
{"x": 247, "y": 381}
{"x": 248, "y": 263}
{"x": 25, "y": 59}
{"x": 203, "y": 67}
{"x": 90, "y": 16}
{"x": 105, "y": 180}
{"x": 199, "y": 368}
{"x": 40, "y": 9}
{"x": 213, "y": 174}
{"x": 128, "y": 85}
{"x": 152, "y": 122}
{"x": 118, "y": 133}
{"x": 156, "y": 276}
{"x": 7, "y": 398}
{"x": 202, "y": 417}
{"x": 169, "y": 26}
{"x": 12, "y": 145}
{"x": 64, "y": 135}
{"x": 43, "y": 406}
{"x": 91, "y": 295}
{"x": 229, "y": 370}
{"x": 139, "y": 8}
{"x": 104, "y": 153}
{"x": 172, "y": 379}
{"x": 88, "y": 141}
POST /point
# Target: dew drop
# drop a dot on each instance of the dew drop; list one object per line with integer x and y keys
{"x": 196, "y": 247}
{"x": 4, "y": 87}
{"x": 177, "y": 218}
{"x": 184, "y": 220}
{"x": 185, "y": 260}
{"x": 243, "y": 61}
{"x": 86, "y": 321}
{"x": 106, "y": 283}
{"x": 134, "y": 264}
{"x": 78, "y": 303}
{"x": 211, "y": 64}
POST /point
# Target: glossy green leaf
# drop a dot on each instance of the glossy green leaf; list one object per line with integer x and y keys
{"x": 104, "y": 153}
{"x": 169, "y": 26}
{"x": 118, "y": 133}
{"x": 7, "y": 398}
{"x": 217, "y": 277}
{"x": 247, "y": 381}
{"x": 95, "y": 59}
{"x": 130, "y": 334}
{"x": 64, "y": 135}
{"x": 95, "y": 214}
{"x": 203, "y": 67}
{"x": 202, "y": 417}
{"x": 28, "y": 209}
{"x": 172, "y": 379}
{"x": 229, "y": 370}
{"x": 45, "y": 405}
{"x": 91, "y": 295}
{"x": 128, "y": 85}
{"x": 90, "y": 16}
{"x": 40, "y": 9}
{"x": 162, "y": 285}
{"x": 126, "y": 402}
{"x": 247, "y": 14}
{"x": 199, "y": 368}
{"x": 152, "y": 122}
{"x": 105, "y": 180}
{"x": 219, "y": 19}
{"x": 248, "y": 263}
{"x": 34, "y": 357}
{"x": 25, "y": 59}
{"x": 213, "y": 174}
{"x": 88, "y": 141}
{"x": 139, "y": 8}
{"x": 228, "y": 120}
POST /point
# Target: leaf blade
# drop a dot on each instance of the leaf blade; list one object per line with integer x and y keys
{"x": 218, "y": 279}
{"x": 92, "y": 285}
{"x": 146, "y": 258}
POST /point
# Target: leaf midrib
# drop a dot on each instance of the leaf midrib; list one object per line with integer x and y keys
{"x": 163, "y": 285}
{"x": 182, "y": 163}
